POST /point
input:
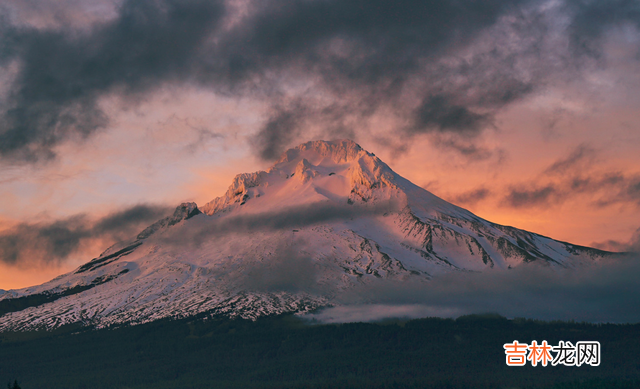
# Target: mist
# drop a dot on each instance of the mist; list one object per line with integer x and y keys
{"x": 601, "y": 293}
{"x": 204, "y": 228}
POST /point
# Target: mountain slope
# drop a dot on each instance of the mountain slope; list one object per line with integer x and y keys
{"x": 326, "y": 217}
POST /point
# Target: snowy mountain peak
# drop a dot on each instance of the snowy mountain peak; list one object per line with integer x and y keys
{"x": 326, "y": 218}
{"x": 337, "y": 151}
{"x": 337, "y": 171}
{"x": 305, "y": 171}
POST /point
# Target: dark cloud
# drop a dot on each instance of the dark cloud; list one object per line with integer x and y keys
{"x": 577, "y": 175}
{"x": 623, "y": 189}
{"x": 282, "y": 126}
{"x": 579, "y": 157}
{"x": 54, "y": 242}
{"x": 603, "y": 292}
{"x": 438, "y": 113}
{"x": 63, "y": 73}
{"x": 366, "y": 54}
{"x": 125, "y": 221}
{"x": 529, "y": 197}
{"x": 472, "y": 197}
{"x": 362, "y": 50}
{"x": 592, "y": 19}
{"x": 468, "y": 148}
{"x": 441, "y": 66}
{"x": 362, "y": 42}
{"x": 605, "y": 189}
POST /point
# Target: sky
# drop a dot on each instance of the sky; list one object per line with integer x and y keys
{"x": 114, "y": 112}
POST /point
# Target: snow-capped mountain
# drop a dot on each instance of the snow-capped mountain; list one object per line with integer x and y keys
{"x": 326, "y": 217}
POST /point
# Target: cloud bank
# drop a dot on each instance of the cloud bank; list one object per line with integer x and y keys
{"x": 54, "y": 242}
{"x": 322, "y": 67}
{"x": 204, "y": 227}
{"x": 601, "y": 293}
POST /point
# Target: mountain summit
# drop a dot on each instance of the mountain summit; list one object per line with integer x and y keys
{"x": 325, "y": 218}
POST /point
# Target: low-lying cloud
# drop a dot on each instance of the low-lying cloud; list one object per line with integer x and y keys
{"x": 631, "y": 246}
{"x": 54, "y": 242}
{"x": 289, "y": 269}
{"x": 604, "y": 291}
{"x": 204, "y": 228}
{"x": 607, "y": 292}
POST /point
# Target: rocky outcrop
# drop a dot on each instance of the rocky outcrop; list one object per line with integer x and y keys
{"x": 237, "y": 192}
{"x": 184, "y": 211}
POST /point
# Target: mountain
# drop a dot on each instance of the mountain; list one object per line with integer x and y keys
{"x": 325, "y": 218}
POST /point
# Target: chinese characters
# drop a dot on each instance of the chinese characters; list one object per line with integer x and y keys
{"x": 583, "y": 353}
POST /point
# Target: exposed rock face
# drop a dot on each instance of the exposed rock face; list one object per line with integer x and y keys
{"x": 326, "y": 217}
{"x": 184, "y": 211}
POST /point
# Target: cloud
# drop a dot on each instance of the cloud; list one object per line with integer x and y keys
{"x": 319, "y": 67}
{"x": 471, "y": 149}
{"x": 529, "y": 197}
{"x": 604, "y": 189}
{"x": 288, "y": 269}
{"x": 123, "y": 222}
{"x": 605, "y": 292}
{"x": 364, "y": 56}
{"x": 282, "y": 126}
{"x": 472, "y": 197}
{"x": 581, "y": 156}
{"x": 47, "y": 14}
{"x": 54, "y": 242}
{"x": 363, "y": 43}
{"x": 379, "y": 312}
{"x": 624, "y": 189}
{"x": 576, "y": 175}
{"x": 55, "y": 95}
{"x": 438, "y": 113}
{"x": 292, "y": 217}
{"x": 633, "y": 245}
{"x": 592, "y": 19}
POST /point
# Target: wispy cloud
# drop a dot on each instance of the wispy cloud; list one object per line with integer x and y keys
{"x": 632, "y": 245}
{"x": 54, "y": 242}
{"x": 472, "y": 197}
{"x": 202, "y": 228}
{"x": 532, "y": 196}
{"x": 576, "y": 175}
{"x": 580, "y": 156}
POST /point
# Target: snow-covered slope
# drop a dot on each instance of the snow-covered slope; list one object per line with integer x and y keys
{"x": 326, "y": 217}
